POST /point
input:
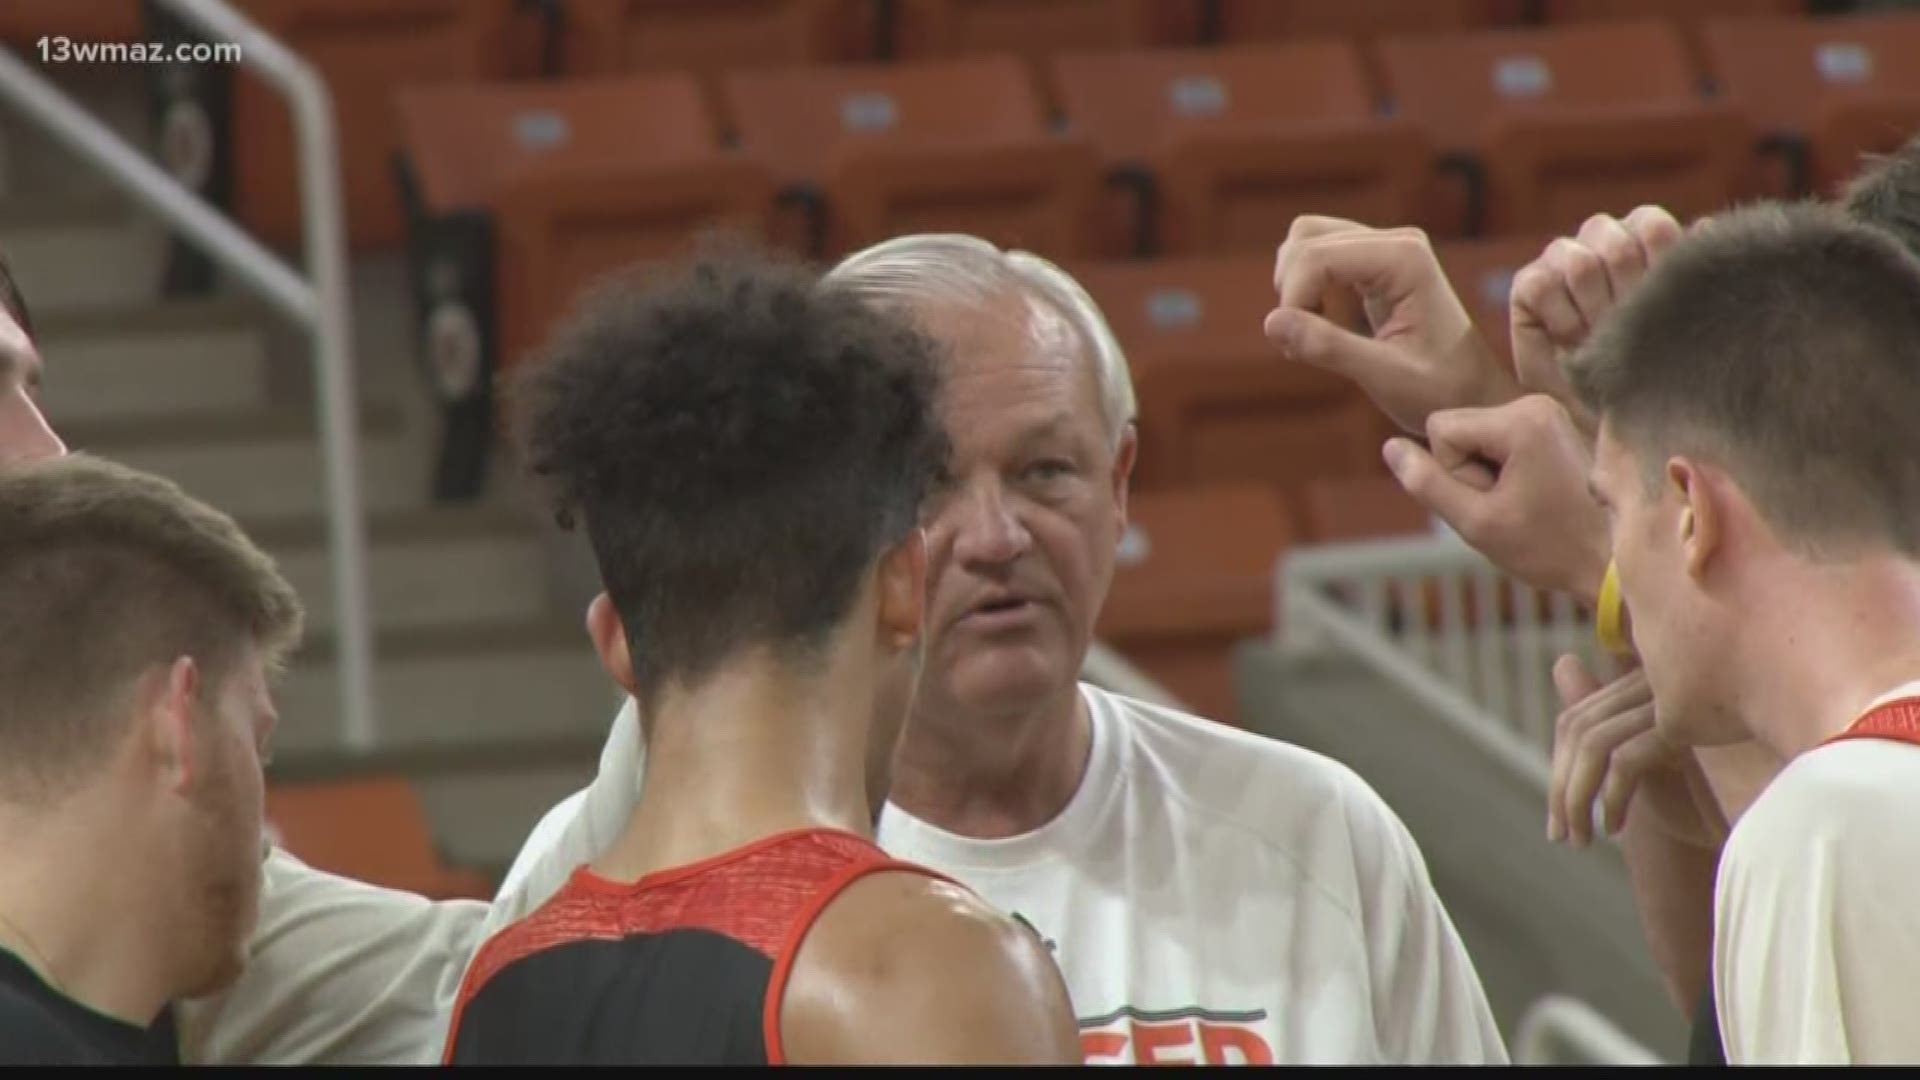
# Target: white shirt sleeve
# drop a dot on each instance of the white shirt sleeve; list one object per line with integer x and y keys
{"x": 1816, "y": 937}
{"x": 339, "y": 972}
{"x": 578, "y": 830}
{"x": 1429, "y": 1005}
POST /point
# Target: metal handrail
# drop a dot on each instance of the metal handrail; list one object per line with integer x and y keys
{"x": 1560, "y": 1021}
{"x": 317, "y": 303}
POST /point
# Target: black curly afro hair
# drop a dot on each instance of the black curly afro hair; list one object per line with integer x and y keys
{"x": 741, "y": 443}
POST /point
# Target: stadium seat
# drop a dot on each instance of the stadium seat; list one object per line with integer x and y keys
{"x": 1367, "y": 506}
{"x": 1566, "y": 122}
{"x": 366, "y": 50}
{"x": 709, "y": 37}
{"x": 24, "y": 22}
{"x": 1364, "y": 20}
{"x": 521, "y": 194}
{"x": 1217, "y": 402}
{"x": 371, "y": 829}
{"x": 1194, "y": 576}
{"x": 1822, "y": 92}
{"x": 1218, "y": 151}
{"x": 944, "y": 145}
{"x": 1482, "y": 275}
{"x": 1034, "y": 30}
{"x": 1688, "y": 12}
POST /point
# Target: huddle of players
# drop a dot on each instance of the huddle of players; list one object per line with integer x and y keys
{"x": 749, "y": 450}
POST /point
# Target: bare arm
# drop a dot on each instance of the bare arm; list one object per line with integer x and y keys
{"x": 908, "y": 970}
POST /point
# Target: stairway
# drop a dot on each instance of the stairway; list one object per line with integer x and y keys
{"x": 488, "y": 692}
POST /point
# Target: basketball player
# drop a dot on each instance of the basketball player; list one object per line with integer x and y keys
{"x": 137, "y": 629}
{"x": 1759, "y": 463}
{"x": 748, "y": 450}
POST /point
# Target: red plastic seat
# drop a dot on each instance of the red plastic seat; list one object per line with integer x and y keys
{"x": 1233, "y": 144}
{"x": 371, "y": 829}
{"x": 1194, "y": 577}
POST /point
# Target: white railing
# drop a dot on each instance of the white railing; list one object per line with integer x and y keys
{"x": 1436, "y": 618}
{"x": 1559, "y": 1030}
{"x": 317, "y": 303}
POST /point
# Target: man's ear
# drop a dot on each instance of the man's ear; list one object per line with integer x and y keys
{"x": 903, "y": 590}
{"x": 1123, "y": 462}
{"x": 610, "y": 641}
{"x": 166, "y": 700}
{"x": 1701, "y": 523}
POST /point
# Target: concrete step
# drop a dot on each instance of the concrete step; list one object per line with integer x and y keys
{"x": 262, "y": 463}
{"x": 454, "y": 687}
{"x": 431, "y": 567}
{"x": 176, "y": 357}
{"x": 33, "y": 165}
{"x": 86, "y": 252}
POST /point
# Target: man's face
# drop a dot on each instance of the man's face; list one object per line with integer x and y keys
{"x": 24, "y": 434}
{"x": 1675, "y": 631}
{"x": 226, "y": 846}
{"x": 1020, "y": 549}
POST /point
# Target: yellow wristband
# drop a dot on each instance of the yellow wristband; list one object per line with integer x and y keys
{"x": 1609, "y": 621}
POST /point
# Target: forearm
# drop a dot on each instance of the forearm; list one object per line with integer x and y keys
{"x": 1672, "y": 885}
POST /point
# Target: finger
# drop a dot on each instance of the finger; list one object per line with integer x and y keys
{"x": 1540, "y": 304}
{"x": 1593, "y": 761}
{"x": 1631, "y": 760}
{"x": 1313, "y": 226}
{"x": 1585, "y": 275}
{"x": 1467, "y": 433}
{"x": 1379, "y": 264}
{"x": 1573, "y": 681}
{"x": 1622, "y": 257}
{"x": 1655, "y": 229}
{"x": 1306, "y": 337}
{"x": 1455, "y": 500}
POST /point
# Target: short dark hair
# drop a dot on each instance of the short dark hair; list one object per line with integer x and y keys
{"x": 12, "y": 300}
{"x": 106, "y": 572}
{"x": 1784, "y": 342}
{"x": 1886, "y": 194}
{"x": 740, "y": 441}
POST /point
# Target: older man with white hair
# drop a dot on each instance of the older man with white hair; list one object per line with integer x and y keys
{"x": 1212, "y": 896}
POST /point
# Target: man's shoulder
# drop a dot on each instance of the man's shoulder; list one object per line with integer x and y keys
{"x": 1232, "y": 771}
{"x": 1854, "y": 795}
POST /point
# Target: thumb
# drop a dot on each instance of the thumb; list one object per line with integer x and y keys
{"x": 1434, "y": 486}
{"x": 1307, "y": 337}
{"x": 1572, "y": 679}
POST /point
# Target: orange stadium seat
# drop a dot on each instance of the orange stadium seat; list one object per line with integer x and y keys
{"x": 366, "y": 50}
{"x": 1219, "y": 151}
{"x": 1217, "y": 402}
{"x": 709, "y": 37}
{"x": 1194, "y": 576}
{"x": 941, "y": 145}
{"x": 1482, "y": 275}
{"x": 24, "y": 22}
{"x": 521, "y": 194}
{"x": 1688, "y": 11}
{"x": 1036, "y": 29}
{"x": 1265, "y": 20}
{"x": 372, "y": 829}
{"x": 1571, "y": 121}
{"x": 1820, "y": 92}
{"x": 1362, "y": 507}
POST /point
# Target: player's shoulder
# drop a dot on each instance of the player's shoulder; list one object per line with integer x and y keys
{"x": 1265, "y": 785}
{"x": 1848, "y": 804}
{"x": 900, "y": 910}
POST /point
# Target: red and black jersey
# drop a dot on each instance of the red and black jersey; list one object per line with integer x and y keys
{"x": 683, "y": 967}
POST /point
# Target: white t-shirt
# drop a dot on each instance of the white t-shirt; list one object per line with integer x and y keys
{"x": 1212, "y": 896}
{"x": 1817, "y": 911}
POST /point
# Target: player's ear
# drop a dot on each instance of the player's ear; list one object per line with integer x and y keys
{"x": 610, "y": 641}
{"x": 903, "y": 590}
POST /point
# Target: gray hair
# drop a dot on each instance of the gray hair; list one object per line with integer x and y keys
{"x": 908, "y": 270}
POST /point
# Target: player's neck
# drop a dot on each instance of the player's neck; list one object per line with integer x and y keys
{"x": 996, "y": 775}
{"x": 1850, "y": 638}
{"x": 755, "y": 751}
{"x": 74, "y": 908}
